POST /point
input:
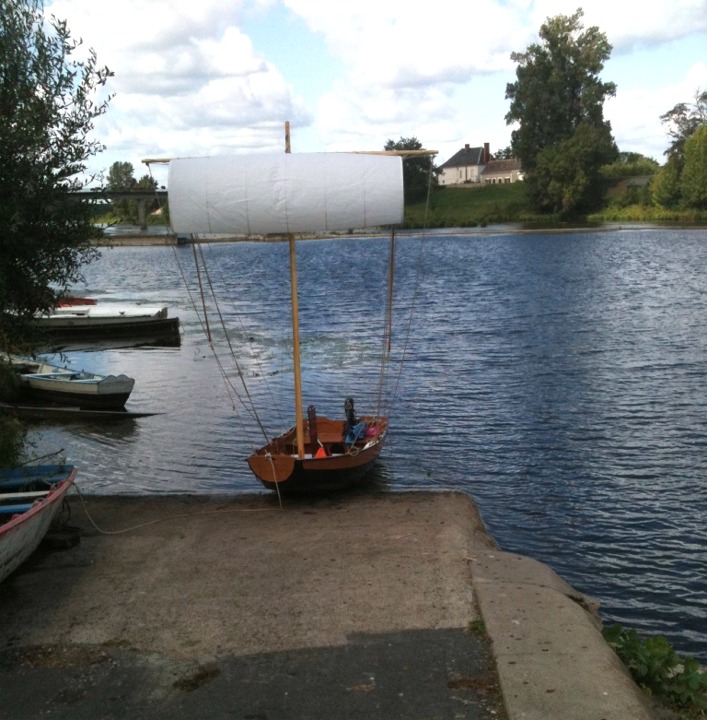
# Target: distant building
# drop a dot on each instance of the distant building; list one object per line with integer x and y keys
{"x": 502, "y": 171}
{"x": 465, "y": 166}
{"x": 476, "y": 166}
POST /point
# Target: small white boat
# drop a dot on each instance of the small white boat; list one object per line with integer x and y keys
{"x": 109, "y": 320}
{"x": 41, "y": 381}
{"x": 30, "y": 498}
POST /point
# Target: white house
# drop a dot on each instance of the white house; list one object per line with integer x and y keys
{"x": 465, "y": 166}
{"x": 476, "y": 166}
{"x": 502, "y": 171}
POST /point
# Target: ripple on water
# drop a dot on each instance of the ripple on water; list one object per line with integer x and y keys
{"x": 558, "y": 379}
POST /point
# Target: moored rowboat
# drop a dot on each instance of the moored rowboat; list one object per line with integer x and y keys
{"x": 109, "y": 320}
{"x": 42, "y": 381}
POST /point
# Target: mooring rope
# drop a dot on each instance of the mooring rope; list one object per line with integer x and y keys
{"x": 165, "y": 518}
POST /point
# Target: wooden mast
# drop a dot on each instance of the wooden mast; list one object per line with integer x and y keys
{"x": 295, "y": 327}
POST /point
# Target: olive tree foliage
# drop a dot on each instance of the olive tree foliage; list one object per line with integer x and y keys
{"x": 418, "y": 171}
{"x": 47, "y": 113}
{"x": 557, "y": 102}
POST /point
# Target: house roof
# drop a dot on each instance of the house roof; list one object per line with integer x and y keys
{"x": 501, "y": 166}
{"x": 465, "y": 157}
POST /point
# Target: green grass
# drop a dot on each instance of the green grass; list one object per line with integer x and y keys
{"x": 471, "y": 206}
{"x": 649, "y": 214}
{"x": 481, "y": 205}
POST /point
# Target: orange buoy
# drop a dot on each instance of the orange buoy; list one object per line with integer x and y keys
{"x": 320, "y": 453}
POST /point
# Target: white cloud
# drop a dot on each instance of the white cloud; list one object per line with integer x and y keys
{"x": 189, "y": 79}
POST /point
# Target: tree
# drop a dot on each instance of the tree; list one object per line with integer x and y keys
{"x": 47, "y": 111}
{"x": 121, "y": 178}
{"x": 666, "y": 184}
{"x": 556, "y": 96}
{"x": 682, "y": 121}
{"x": 418, "y": 172}
{"x": 630, "y": 164}
{"x": 567, "y": 175}
{"x": 693, "y": 180}
{"x": 148, "y": 184}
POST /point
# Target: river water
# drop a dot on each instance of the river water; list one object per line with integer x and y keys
{"x": 558, "y": 379}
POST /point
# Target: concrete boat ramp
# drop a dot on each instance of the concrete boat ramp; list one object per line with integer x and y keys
{"x": 384, "y": 606}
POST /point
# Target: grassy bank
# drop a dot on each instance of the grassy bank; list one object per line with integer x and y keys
{"x": 481, "y": 205}
{"x": 478, "y": 206}
{"x": 471, "y": 206}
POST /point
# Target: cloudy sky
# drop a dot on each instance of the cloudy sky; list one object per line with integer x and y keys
{"x": 201, "y": 77}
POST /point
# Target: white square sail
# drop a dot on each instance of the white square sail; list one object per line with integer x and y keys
{"x": 284, "y": 193}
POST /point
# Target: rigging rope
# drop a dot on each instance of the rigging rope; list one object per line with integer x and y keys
{"x": 251, "y": 404}
{"x": 165, "y": 518}
{"x": 416, "y": 288}
{"x": 238, "y": 315}
{"x": 203, "y": 321}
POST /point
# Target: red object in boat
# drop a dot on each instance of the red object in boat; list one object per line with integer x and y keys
{"x": 70, "y": 301}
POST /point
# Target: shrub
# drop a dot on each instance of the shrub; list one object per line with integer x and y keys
{"x": 12, "y": 440}
{"x": 674, "y": 680}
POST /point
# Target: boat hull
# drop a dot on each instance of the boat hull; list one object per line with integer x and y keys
{"x": 41, "y": 382}
{"x": 278, "y": 468}
{"x": 21, "y": 534}
{"x": 108, "y": 393}
{"x": 95, "y": 321}
{"x": 83, "y": 400}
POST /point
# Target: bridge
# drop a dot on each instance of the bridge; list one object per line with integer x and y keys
{"x": 141, "y": 196}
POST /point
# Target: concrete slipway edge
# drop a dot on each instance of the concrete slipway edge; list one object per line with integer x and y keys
{"x": 189, "y": 586}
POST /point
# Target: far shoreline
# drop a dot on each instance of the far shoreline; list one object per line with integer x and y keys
{"x": 146, "y": 238}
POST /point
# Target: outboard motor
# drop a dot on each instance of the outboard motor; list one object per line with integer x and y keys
{"x": 354, "y": 430}
{"x": 350, "y": 412}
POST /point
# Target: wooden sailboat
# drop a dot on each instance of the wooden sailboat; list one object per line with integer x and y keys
{"x": 285, "y": 194}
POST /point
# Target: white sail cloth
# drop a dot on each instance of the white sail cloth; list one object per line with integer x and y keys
{"x": 284, "y": 193}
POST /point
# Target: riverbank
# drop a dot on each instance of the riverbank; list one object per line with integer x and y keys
{"x": 146, "y": 238}
{"x": 378, "y": 606}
